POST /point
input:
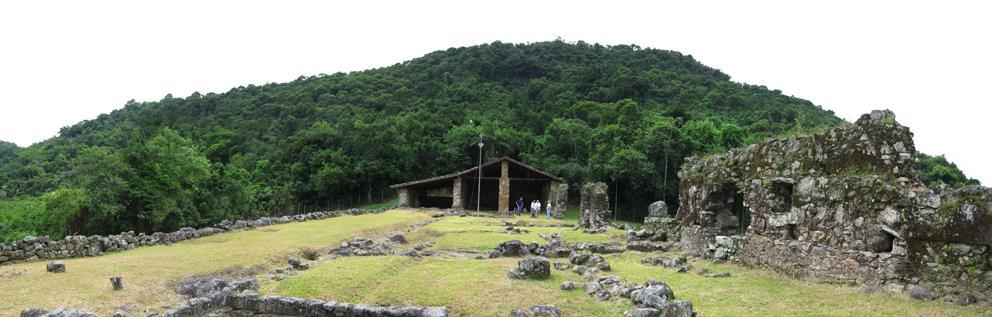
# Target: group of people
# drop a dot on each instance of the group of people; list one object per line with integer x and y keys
{"x": 535, "y": 208}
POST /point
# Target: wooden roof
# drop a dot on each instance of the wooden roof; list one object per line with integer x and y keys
{"x": 474, "y": 170}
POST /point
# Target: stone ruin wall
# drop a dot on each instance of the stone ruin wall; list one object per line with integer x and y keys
{"x": 36, "y": 248}
{"x": 842, "y": 206}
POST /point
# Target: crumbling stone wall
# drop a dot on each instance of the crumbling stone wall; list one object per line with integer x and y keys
{"x": 34, "y": 248}
{"x": 842, "y": 206}
{"x": 594, "y": 206}
{"x": 559, "y": 199}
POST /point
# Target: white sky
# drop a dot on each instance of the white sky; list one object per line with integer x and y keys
{"x": 63, "y": 62}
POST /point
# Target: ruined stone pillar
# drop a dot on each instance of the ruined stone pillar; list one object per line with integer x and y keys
{"x": 594, "y": 206}
{"x": 559, "y": 198}
{"x": 504, "y": 189}
{"x": 404, "y": 198}
{"x": 456, "y": 195}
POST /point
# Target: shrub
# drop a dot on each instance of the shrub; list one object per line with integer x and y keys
{"x": 309, "y": 253}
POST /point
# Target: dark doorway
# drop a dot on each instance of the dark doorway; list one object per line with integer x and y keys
{"x": 728, "y": 205}
{"x": 742, "y": 212}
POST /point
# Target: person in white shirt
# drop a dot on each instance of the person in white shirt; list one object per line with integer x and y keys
{"x": 537, "y": 203}
{"x": 549, "y": 209}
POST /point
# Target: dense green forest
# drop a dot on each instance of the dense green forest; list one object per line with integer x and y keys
{"x": 621, "y": 114}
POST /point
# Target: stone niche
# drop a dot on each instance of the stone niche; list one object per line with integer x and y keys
{"x": 594, "y": 206}
{"x": 844, "y": 206}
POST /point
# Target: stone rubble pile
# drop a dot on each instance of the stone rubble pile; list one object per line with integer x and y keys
{"x": 362, "y": 246}
{"x": 204, "y": 286}
{"x": 223, "y": 296}
{"x": 555, "y": 248}
{"x": 680, "y": 262}
{"x": 584, "y": 260}
{"x": 34, "y": 248}
{"x": 537, "y": 311}
{"x": 58, "y": 312}
{"x": 601, "y": 248}
{"x": 653, "y": 298}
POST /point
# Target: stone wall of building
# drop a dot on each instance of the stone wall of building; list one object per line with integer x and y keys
{"x": 35, "y": 248}
{"x": 841, "y": 206}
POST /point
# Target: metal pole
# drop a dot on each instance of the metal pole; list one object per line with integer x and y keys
{"x": 478, "y": 197}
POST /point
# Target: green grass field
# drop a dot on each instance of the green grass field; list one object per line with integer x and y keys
{"x": 469, "y": 287}
{"x": 150, "y": 272}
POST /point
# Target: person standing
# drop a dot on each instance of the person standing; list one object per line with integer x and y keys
{"x": 549, "y": 209}
{"x": 532, "y": 208}
{"x": 537, "y": 210}
{"x": 520, "y": 205}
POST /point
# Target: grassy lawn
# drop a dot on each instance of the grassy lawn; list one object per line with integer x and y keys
{"x": 149, "y": 272}
{"x": 480, "y": 234}
{"x": 469, "y": 287}
{"x": 480, "y": 287}
{"x": 466, "y": 287}
{"x": 754, "y": 292}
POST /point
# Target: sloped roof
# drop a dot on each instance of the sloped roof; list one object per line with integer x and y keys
{"x": 474, "y": 170}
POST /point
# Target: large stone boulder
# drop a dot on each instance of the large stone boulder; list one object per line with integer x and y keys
{"x": 532, "y": 267}
{"x": 658, "y": 218}
{"x": 658, "y": 209}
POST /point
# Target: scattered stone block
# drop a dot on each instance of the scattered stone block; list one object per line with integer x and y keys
{"x": 534, "y": 267}
{"x": 56, "y": 266}
{"x": 398, "y": 238}
{"x": 117, "y": 282}
{"x": 567, "y": 285}
{"x": 921, "y": 292}
{"x": 298, "y": 264}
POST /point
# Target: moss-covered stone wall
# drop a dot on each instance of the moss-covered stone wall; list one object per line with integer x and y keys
{"x": 843, "y": 206}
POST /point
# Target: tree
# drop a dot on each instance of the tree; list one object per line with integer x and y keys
{"x": 936, "y": 171}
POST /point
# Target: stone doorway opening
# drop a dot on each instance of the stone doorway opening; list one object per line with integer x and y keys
{"x": 732, "y": 216}
{"x": 741, "y": 211}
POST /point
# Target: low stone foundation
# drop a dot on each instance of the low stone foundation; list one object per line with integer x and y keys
{"x": 36, "y": 248}
{"x": 247, "y": 304}
{"x": 819, "y": 263}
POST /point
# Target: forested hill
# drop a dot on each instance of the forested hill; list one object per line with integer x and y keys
{"x": 621, "y": 114}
